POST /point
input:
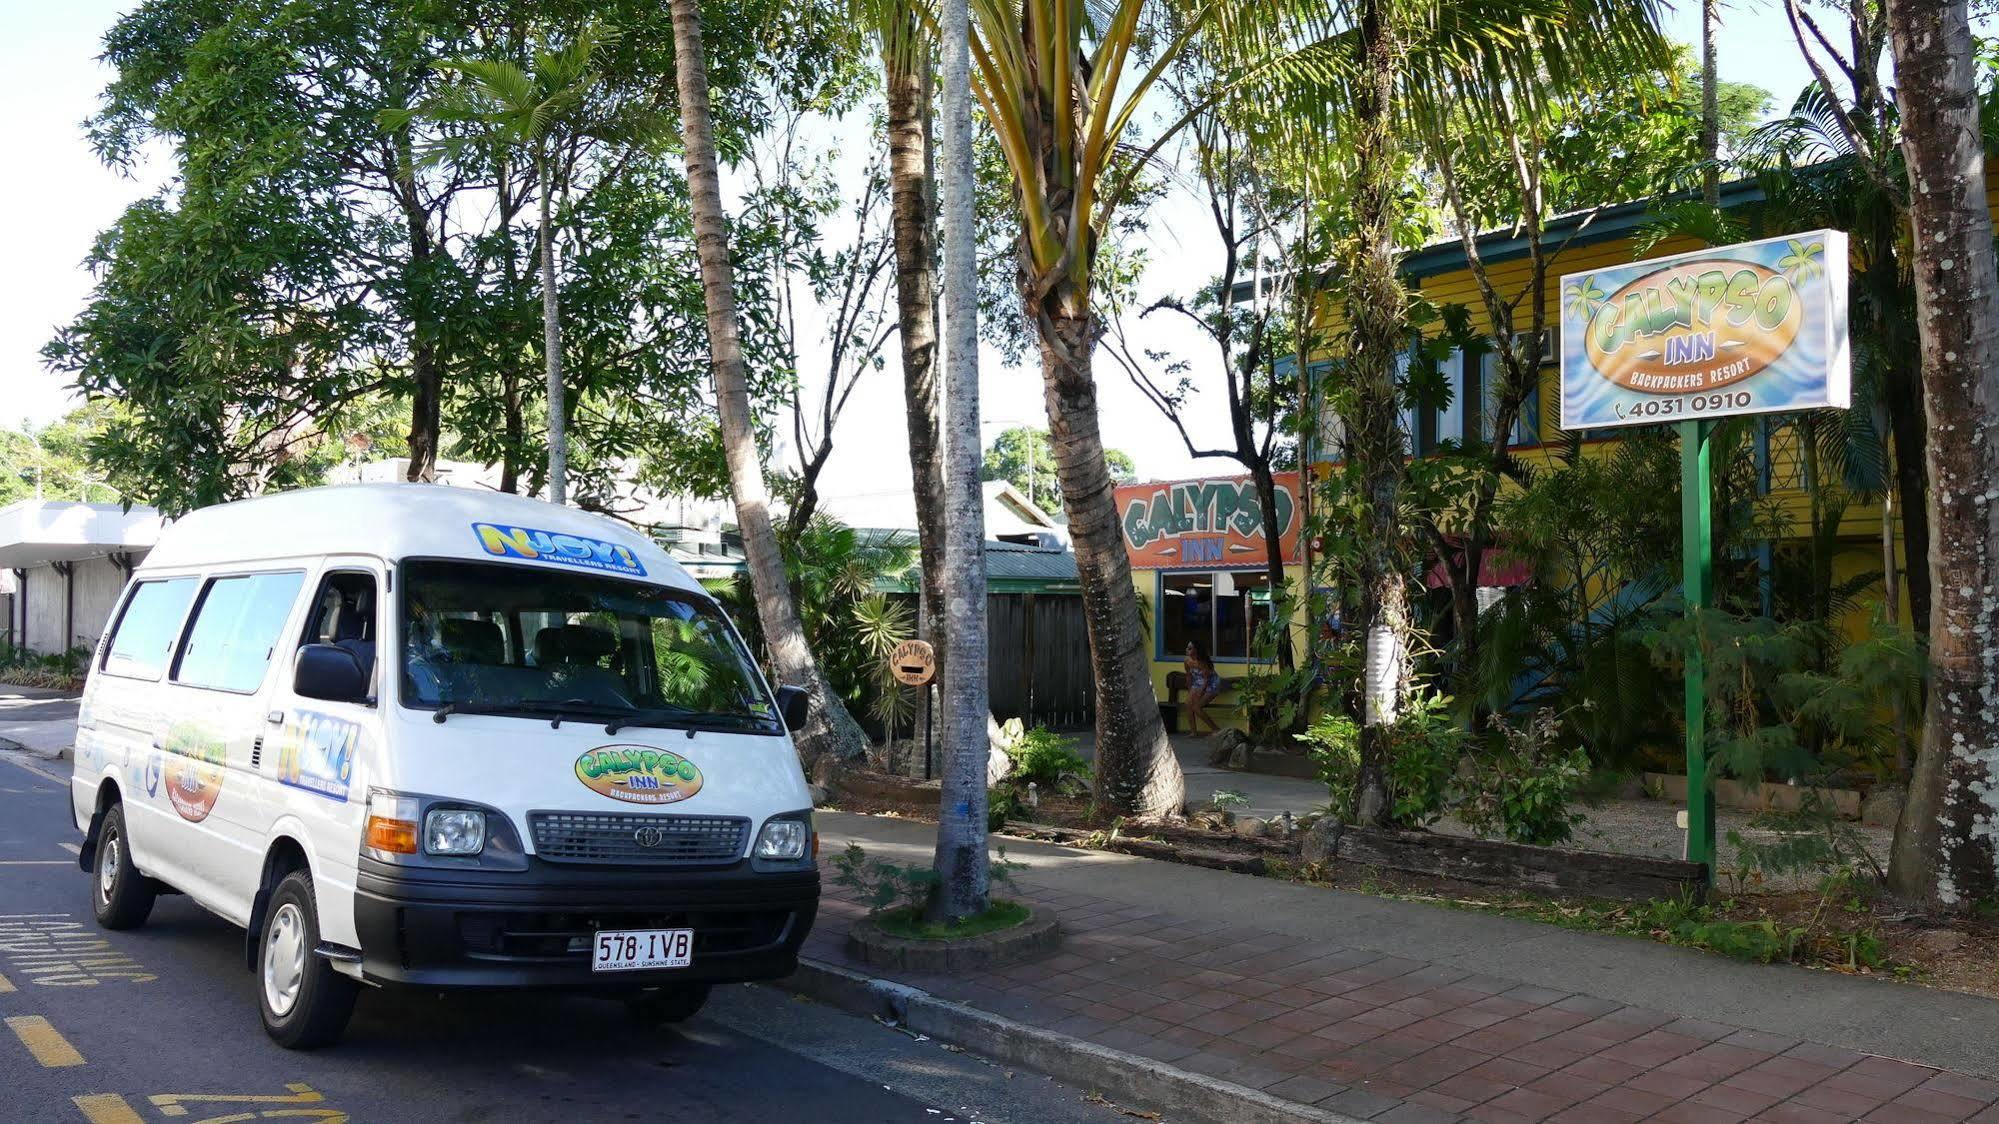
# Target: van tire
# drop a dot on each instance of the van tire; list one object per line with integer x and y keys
{"x": 674, "y": 1003}
{"x": 316, "y": 1001}
{"x": 120, "y": 896}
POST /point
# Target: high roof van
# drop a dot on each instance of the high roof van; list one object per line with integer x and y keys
{"x": 424, "y": 735}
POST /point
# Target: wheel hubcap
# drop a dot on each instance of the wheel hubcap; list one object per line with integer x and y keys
{"x": 107, "y": 868}
{"x": 284, "y": 958}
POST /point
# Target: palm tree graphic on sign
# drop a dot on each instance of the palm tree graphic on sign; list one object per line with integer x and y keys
{"x": 1583, "y": 297}
{"x": 1803, "y": 263}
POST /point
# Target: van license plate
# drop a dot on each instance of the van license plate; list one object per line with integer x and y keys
{"x": 624, "y": 950}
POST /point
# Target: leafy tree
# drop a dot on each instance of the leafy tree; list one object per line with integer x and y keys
{"x": 1024, "y": 457}
{"x": 550, "y": 115}
{"x": 52, "y": 461}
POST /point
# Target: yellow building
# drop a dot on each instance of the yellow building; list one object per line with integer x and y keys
{"x": 1197, "y": 581}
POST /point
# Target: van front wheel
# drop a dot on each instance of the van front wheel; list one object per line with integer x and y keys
{"x": 121, "y": 897}
{"x": 305, "y": 1002}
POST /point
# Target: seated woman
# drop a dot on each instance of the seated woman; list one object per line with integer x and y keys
{"x": 1203, "y": 684}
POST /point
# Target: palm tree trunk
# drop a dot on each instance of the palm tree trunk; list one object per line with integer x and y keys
{"x": 916, "y": 312}
{"x": 1136, "y": 772}
{"x": 551, "y": 346}
{"x": 961, "y": 813}
{"x": 1374, "y": 309}
{"x": 1710, "y": 105}
{"x": 831, "y": 732}
{"x": 1944, "y": 849}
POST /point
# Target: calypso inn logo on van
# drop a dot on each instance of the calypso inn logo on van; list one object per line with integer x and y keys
{"x": 508, "y": 541}
{"x": 638, "y": 774}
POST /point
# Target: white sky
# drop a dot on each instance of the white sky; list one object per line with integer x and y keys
{"x": 60, "y": 197}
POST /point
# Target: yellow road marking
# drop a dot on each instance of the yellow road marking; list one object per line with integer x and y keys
{"x": 169, "y": 1103}
{"x": 71, "y": 848}
{"x": 43, "y": 1041}
{"x": 6, "y": 985}
{"x": 107, "y": 1108}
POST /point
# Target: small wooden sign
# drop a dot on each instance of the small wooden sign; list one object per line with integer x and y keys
{"x": 913, "y": 662}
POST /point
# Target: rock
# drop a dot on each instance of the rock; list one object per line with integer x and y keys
{"x": 998, "y": 765}
{"x": 1883, "y": 804}
{"x": 1223, "y": 746}
{"x": 1281, "y": 826}
{"x": 1210, "y": 819}
{"x": 818, "y": 792}
{"x": 1939, "y": 942}
{"x": 1322, "y": 840}
{"x": 1250, "y": 827}
{"x": 1239, "y": 756}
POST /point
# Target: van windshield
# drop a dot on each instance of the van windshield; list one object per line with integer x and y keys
{"x": 542, "y": 642}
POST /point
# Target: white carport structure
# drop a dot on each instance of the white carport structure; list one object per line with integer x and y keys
{"x": 69, "y": 561}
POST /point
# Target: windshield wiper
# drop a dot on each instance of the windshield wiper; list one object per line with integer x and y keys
{"x": 674, "y": 718}
{"x": 534, "y": 708}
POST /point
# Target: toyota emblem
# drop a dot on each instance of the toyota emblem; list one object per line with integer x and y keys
{"x": 648, "y": 836}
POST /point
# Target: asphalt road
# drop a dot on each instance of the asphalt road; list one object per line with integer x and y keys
{"x": 160, "y": 1024}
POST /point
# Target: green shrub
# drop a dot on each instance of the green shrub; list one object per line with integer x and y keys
{"x": 1045, "y": 757}
{"x": 1422, "y": 747}
{"x": 1523, "y": 790}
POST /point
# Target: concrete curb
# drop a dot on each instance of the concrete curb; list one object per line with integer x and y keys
{"x": 1125, "y": 1078}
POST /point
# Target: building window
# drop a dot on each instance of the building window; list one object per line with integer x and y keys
{"x": 1223, "y": 609}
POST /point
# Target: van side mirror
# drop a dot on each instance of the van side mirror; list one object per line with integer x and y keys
{"x": 328, "y": 671}
{"x": 795, "y": 706}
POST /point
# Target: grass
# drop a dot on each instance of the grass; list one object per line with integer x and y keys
{"x": 910, "y": 923}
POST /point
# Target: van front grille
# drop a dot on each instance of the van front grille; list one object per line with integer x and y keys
{"x": 638, "y": 840}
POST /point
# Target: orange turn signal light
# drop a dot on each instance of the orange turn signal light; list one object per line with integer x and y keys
{"x": 394, "y": 836}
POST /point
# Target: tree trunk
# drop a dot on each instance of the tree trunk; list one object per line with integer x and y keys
{"x": 831, "y": 731}
{"x": 426, "y": 371}
{"x": 551, "y": 346}
{"x": 1944, "y": 849}
{"x": 1710, "y": 105}
{"x": 1136, "y": 772}
{"x": 1375, "y": 312}
{"x": 1273, "y": 562}
{"x": 961, "y": 812}
{"x": 916, "y": 315}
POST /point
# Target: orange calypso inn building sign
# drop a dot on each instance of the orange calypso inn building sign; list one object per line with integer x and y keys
{"x": 1214, "y": 523}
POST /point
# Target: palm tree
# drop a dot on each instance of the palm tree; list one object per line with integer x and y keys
{"x": 961, "y": 818}
{"x": 901, "y": 31}
{"x": 1944, "y": 850}
{"x": 831, "y": 732}
{"x": 1052, "y": 78}
{"x": 532, "y": 112}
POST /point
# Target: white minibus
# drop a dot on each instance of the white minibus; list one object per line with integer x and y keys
{"x": 444, "y": 737}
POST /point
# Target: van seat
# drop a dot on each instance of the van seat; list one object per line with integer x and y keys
{"x": 470, "y": 640}
{"x": 573, "y": 644}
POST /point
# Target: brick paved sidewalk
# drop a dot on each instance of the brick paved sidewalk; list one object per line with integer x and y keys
{"x": 1394, "y": 1039}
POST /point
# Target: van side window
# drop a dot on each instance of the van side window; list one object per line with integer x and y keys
{"x": 145, "y": 632}
{"x": 235, "y": 629}
{"x": 343, "y": 613}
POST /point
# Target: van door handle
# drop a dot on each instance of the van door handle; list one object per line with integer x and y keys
{"x": 275, "y": 718}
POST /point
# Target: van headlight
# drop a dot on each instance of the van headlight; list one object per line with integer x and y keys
{"x": 783, "y": 840}
{"x": 454, "y": 831}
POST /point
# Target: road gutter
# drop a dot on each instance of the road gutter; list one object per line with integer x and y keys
{"x": 1128, "y": 1079}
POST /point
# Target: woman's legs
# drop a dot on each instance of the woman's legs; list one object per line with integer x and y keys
{"x": 1196, "y": 702}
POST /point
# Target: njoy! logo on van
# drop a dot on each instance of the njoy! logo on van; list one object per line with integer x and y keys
{"x": 505, "y": 540}
{"x": 638, "y": 774}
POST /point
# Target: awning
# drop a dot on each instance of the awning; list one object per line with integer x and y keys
{"x": 34, "y": 532}
{"x": 1497, "y": 570}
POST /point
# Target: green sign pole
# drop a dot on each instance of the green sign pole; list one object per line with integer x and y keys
{"x": 1697, "y": 560}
